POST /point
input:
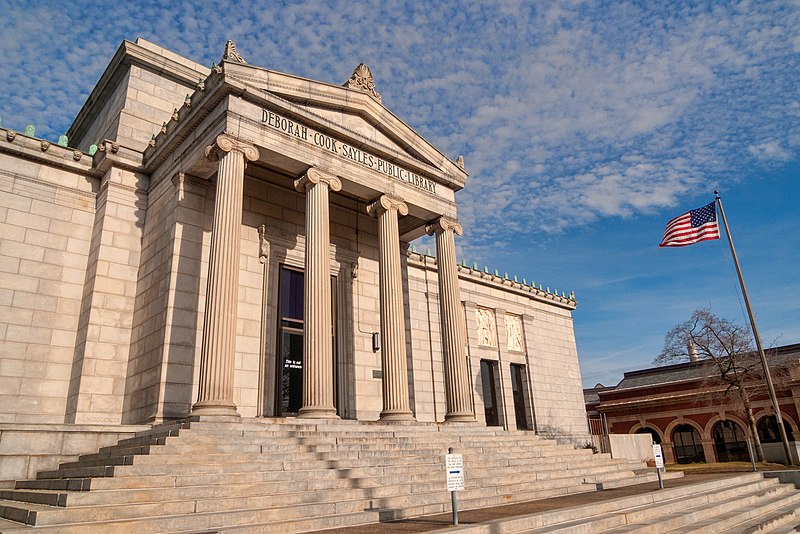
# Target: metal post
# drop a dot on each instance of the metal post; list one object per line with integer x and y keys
{"x": 453, "y": 497}
{"x": 761, "y": 355}
{"x": 660, "y": 480}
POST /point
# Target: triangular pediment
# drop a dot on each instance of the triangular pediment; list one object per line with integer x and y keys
{"x": 345, "y": 112}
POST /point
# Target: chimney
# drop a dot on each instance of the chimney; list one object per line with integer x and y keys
{"x": 693, "y": 357}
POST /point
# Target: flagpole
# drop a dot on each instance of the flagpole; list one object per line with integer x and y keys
{"x": 760, "y": 348}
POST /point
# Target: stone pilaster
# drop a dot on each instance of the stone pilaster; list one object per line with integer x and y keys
{"x": 215, "y": 395}
{"x": 317, "y": 321}
{"x": 457, "y": 392}
{"x": 393, "y": 349}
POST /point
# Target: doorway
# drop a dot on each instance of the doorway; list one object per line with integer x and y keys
{"x": 488, "y": 382}
{"x": 518, "y": 389}
{"x": 289, "y": 387}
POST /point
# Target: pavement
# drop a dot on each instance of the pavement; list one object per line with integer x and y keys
{"x": 470, "y": 517}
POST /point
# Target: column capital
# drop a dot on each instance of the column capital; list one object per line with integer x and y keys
{"x": 443, "y": 224}
{"x": 314, "y": 176}
{"x": 386, "y": 203}
{"x": 226, "y": 143}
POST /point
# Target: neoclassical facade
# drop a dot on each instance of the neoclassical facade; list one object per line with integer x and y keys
{"x": 235, "y": 242}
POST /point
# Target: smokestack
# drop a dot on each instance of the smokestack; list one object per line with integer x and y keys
{"x": 693, "y": 356}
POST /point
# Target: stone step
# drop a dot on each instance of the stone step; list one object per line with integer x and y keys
{"x": 739, "y": 512}
{"x": 676, "y": 513}
{"x": 38, "y": 514}
{"x": 256, "y": 454}
{"x": 135, "y": 518}
{"x": 792, "y": 528}
{"x": 486, "y": 495}
{"x": 208, "y": 524}
{"x": 399, "y": 472}
{"x": 607, "y": 516}
{"x": 203, "y": 475}
{"x": 187, "y": 446}
{"x": 156, "y": 465}
{"x": 312, "y": 524}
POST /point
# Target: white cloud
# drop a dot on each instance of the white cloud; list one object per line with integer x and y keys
{"x": 565, "y": 112}
{"x": 770, "y": 150}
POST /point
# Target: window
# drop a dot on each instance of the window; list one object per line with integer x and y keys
{"x": 730, "y": 443}
{"x": 688, "y": 448}
{"x": 768, "y": 430}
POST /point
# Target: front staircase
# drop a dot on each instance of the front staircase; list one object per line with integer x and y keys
{"x": 290, "y": 476}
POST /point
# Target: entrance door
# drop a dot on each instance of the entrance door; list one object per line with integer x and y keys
{"x": 518, "y": 388}
{"x": 289, "y": 389}
{"x": 488, "y": 377}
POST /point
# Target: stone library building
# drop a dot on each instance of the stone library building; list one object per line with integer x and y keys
{"x": 215, "y": 253}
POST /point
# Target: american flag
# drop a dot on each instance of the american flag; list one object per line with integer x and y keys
{"x": 692, "y": 227}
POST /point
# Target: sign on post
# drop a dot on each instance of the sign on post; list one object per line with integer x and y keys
{"x": 658, "y": 456}
{"x": 454, "y": 464}
{"x": 659, "y": 463}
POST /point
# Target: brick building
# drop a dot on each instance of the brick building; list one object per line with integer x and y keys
{"x": 685, "y": 411}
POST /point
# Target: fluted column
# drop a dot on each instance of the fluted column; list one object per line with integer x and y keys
{"x": 317, "y": 321}
{"x": 393, "y": 349}
{"x": 215, "y": 394}
{"x": 451, "y": 315}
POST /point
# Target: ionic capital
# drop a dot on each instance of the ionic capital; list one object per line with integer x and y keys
{"x": 225, "y": 143}
{"x": 314, "y": 176}
{"x": 386, "y": 203}
{"x": 443, "y": 224}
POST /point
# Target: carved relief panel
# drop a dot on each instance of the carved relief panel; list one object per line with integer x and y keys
{"x": 487, "y": 332}
{"x": 514, "y": 333}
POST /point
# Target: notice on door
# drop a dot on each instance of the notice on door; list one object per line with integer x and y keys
{"x": 454, "y": 465}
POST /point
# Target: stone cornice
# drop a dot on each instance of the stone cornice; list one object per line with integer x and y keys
{"x": 491, "y": 280}
{"x": 110, "y": 154}
{"x": 51, "y": 154}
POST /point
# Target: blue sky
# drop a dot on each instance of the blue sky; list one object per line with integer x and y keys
{"x": 585, "y": 127}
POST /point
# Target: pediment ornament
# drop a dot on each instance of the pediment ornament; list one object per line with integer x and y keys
{"x": 363, "y": 81}
{"x": 231, "y": 54}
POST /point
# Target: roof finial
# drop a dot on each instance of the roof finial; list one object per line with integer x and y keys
{"x": 362, "y": 79}
{"x": 231, "y": 54}
{"x": 460, "y": 162}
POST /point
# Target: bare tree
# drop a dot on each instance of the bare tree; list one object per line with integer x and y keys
{"x": 728, "y": 348}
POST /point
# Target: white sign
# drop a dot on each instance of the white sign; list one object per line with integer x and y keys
{"x": 658, "y": 455}
{"x": 454, "y": 464}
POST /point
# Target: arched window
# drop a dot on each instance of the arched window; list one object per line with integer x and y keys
{"x": 730, "y": 443}
{"x": 768, "y": 430}
{"x": 652, "y": 432}
{"x": 688, "y": 448}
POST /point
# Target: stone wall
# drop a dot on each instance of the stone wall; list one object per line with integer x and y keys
{"x": 141, "y": 97}
{"x": 47, "y": 203}
{"x": 547, "y": 348}
{"x": 27, "y": 449}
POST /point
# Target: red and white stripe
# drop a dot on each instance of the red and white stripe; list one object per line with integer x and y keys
{"x": 680, "y": 233}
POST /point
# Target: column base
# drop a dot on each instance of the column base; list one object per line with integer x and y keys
{"x": 317, "y": 413}
{"x": 210, "y": 408}
{"x": 397, "y": 415}
{"x": 460, "y": 417}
